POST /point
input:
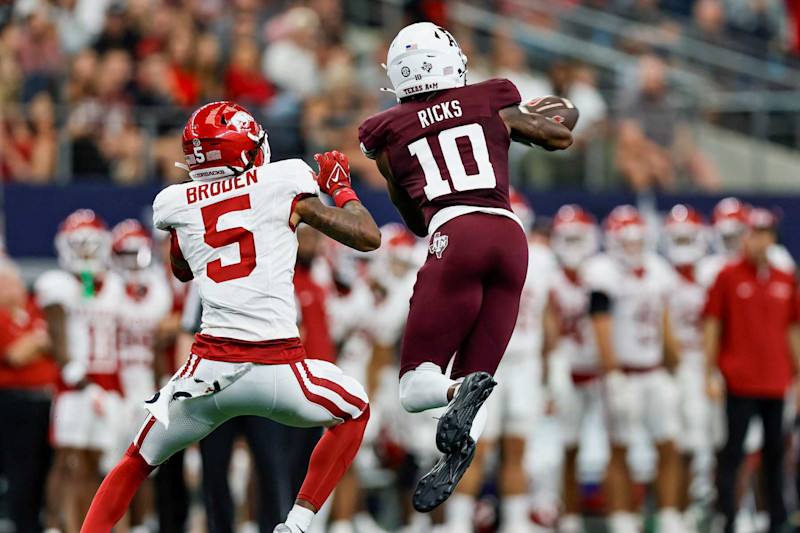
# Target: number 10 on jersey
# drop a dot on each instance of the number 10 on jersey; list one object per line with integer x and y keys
{"x": 437, "y": 186}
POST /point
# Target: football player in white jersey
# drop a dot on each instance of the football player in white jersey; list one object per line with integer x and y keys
{"x": 232, "y": 230}
{"x": 80, "y": 301}
{"x": 515, "y": 407}
{"x": 686, "y": 243}
{"x": 570, "y": 335}
{"x": 629, "y": 287}
{"x": 146, "y": 302}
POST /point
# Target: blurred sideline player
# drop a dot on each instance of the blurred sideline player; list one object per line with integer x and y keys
{"x": 514, "y": 408}
{"x": 574, "y": 240}
{"x": 686, "y": 244}
{"x": 145, "y": 304}
{"x": 629, "y": 289}
{"x": 444, "y": 153}
{"x": 232, "y": 230}
{"x": 81, "y": 301}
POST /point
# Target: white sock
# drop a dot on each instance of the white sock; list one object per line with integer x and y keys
{"x": 299, "y": 519}
{"x": 670, "y": 521}
{"x": 515, "y": 508}
{"x": 424, "y": 388}
{"x": 459, "y": 512}
{"x": 341, "y": 526}
{"x": 622, "y": 523}
{"x": 570, "y": 523}
{"x": 478, "y": 423}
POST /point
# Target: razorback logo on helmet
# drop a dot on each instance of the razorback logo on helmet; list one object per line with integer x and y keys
{"x": 242, "y": 121}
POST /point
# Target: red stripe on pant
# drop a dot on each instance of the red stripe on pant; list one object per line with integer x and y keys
{"x": 145, "y": 430}
{"x": 323, "y": 402}
{"x": 355, "y": 401}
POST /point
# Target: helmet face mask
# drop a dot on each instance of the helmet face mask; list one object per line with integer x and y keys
{"x": 83, "y": 243}
{"x": 423, "y": 58}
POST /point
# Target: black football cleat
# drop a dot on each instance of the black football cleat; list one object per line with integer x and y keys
{"x": 438, "y": 484}
{"x": 456, "y": 423}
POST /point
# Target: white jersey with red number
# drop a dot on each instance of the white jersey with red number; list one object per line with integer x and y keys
{"x": 638, "y": 300}
{"x": 526, "y": 340}
{"x": 146, "y": 303}
{"x": 236, "y": 235}
{"x": 686, "y": 307}
{"x": 91, "y": 319}
{"x": 570, "y": 297}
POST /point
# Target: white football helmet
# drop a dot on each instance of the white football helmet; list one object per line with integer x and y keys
{"x": 83, "y": 243}
{"x": 685, "y": 234}
{"x": 626, "y": 236}
{"x": 424, "y": 57}
{"x": 574, "y": 236}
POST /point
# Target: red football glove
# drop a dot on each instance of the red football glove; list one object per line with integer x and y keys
{"x": 334, "y": 177}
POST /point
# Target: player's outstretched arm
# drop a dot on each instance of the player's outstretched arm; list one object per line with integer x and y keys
{"x": 536, "y": 129}
{"x": 349, "y": 223}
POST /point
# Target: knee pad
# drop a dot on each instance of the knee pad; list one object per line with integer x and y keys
{"x": 424, "y": 388}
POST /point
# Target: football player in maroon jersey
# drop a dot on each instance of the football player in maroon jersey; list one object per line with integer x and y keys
{"x": 444, "y": 153}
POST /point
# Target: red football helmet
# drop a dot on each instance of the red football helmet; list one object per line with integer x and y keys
{"x": 521, "y": 208}
{"x": 223, "y": 139}
{"x": 574, "y": 235}
{"x": 730, "y": 219}
{"x": 685, "y": 232}
{"x": 132, "y": 246}
{"x": 626, "y": 235}
{"x": 83, "y": 243}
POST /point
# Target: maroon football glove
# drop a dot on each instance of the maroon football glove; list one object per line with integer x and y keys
{"x": 334, "y": 177}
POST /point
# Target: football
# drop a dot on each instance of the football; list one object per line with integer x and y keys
{"x": 555, "y": 108}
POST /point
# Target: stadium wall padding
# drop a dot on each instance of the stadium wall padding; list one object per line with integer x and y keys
{"x": 32, "y": 214}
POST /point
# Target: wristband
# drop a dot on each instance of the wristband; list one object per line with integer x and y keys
{"x": 344, "y": 195}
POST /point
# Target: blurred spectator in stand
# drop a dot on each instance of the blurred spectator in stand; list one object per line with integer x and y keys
{"x": 653, "y": 149}
{"x": 244, "y": 82}
{"x": 28, "y": 145}
{"x": 27, "y": 375}
{"x": 294, "y": 41}
{"x": 118, "y": 32}
{"x": 510, "y": 62}
{"x": 762, "y": 21}
{"x": 39, "y": 53}
{"x": 185, "y": 83}
{"x": 752, "y": 345}
{"x": 79, "y": 22}
{"x": 10, "y": 71}
{"x": 208, "y": 63}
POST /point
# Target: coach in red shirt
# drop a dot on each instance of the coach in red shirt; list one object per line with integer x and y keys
{"x": 752, "y": 341}
{"x": 27, "y": 374}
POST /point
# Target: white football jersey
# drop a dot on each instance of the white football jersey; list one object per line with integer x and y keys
{"x": 637, "y": 305}
{"x": 235, "y": 233}
{"x": 144, "y": 306}
{"x": 91, "y": 320}
{"x": 686, "y": 308}
{"x": 526, "y": 340}
{"x": 577, "y": 343}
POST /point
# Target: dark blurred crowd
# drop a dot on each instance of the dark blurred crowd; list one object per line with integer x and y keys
{"x": 99, "y": 90}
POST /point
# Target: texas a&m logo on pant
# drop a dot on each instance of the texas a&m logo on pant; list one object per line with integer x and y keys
{"x": 438, "y": 244}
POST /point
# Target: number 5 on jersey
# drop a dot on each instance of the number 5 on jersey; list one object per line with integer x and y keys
{"x": 218, "y": 239}
{"x": 437, "y": 186}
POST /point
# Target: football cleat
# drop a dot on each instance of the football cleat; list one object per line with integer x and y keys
{"x": 456, "y": 423}
{"x": 438, "y": 484}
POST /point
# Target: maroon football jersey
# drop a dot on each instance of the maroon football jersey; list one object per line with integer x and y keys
{"x": 449, "y": 150}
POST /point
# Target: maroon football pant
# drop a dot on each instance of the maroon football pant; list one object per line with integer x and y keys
{"x": 466, "y": 302}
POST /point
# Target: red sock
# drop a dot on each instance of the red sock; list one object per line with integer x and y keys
{"x": 331, "y": 458}
{"x": 115, "y": 494}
